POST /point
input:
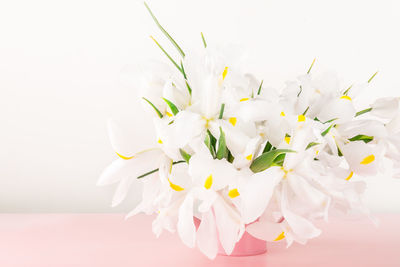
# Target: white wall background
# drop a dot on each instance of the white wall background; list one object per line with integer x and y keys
{"x": 60, "y": 63}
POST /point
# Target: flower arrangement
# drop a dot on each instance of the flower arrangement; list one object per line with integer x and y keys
{"x": 243, "y": 157}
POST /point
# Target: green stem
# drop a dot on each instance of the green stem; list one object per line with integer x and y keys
{"x": 165, "y": 52}
{"x": 204, "y": 40}
{"x": 164, "y": 31}
{"x": 221, "y": 111}
{"x": 156, "y": 170}
{"x": 312, "y": 64}
{"x": 363, "y": 111}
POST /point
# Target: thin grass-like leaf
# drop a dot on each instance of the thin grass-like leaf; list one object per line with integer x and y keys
{"x": 370, "y": 79}
{"x": 305, "y": 111}
{"x": 326, "y": 131}
{"x": 312, "y": 144}
{"x": 183, "y": 70}
{"x": 204, "y": 40}
{"x": 259, "y": 88}
{"x": 347, "y": 90}
{"x": 165, "y": 52}
{"x": 312, "y": 64}
{"x": 361, "y": 137}
{"x": 172, "y": 106}
{"x": 164, "y": 31}
{"x": 363, "y": 111}
{"x": 156, "y": 170}
{"x": 154, "y": 107}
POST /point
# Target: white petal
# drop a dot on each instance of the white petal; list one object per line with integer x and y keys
{"x": 121, "y": 139}
{"x": 123, "y": 189}
{"x": 264, "y": 230}
{"x": 230, "y": 228}
{"x": 298, "y": 224}
{"x": 385, "y": 107}
{"x": 357, "y": 152}
{"x": 186, "y": 227}
{"x": 206, "y": 237}
{"x": 114, "y": 172}
{"x": 257, "y": 191}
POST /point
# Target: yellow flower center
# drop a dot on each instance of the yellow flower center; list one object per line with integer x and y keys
{"x": 349, "y": 177}
{"x": 224, "y": 73}
{"x": 175, "y": 187}
{"x": 345, "y": 97}
{"x": 208, "y": 182}
{"x": 301, "y": 118}
{"x": 280, "y": 237}
{"x": 233, "y": 193}
{"x": 368, "y": 159}
{"x": 233, "y": 121}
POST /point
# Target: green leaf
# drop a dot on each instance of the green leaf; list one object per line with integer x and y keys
{"x": 370, "y": 79}
{"x": 259, "y": 88}
{"x": 363, "y": 111}
{"x": 327, "y": 130}
{"x": 267, "y": 147}
{"x": 210, "y": 142}
{"x": 185, "y": 155}
{"x": 221, "y": 111}
{"x": 347, "y": 90}
{"x": 305, "y": 111}
{"x": 301, "y": 90}
{"x": 231, "y": 158}
{"x": 172, "y": 106}
{"x": 204, "y": 40}
{"x": 362, "y": 137}
{"x": 222, "y": 151}
{"x": 156, "y": 170}
{"x": 155, "y": 108}
{"x": 278, "y": 161}
{"x": 331, "y": 120}
{"x": 312, "y": 64}
{"x": 165, "y": 52}
{"x": 183, "y": 71}
{"x": 312, "y": 144}
{"x": 189, "y": 88}
{"x": 164, "y": 31}
{"x": 340, "y": 154}
{"x": 266, "y": 160}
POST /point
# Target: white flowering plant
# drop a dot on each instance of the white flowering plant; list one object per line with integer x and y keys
{"x": 243, "y": 157}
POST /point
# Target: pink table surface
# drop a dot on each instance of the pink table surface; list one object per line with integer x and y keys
{"x": 58, "y": 240}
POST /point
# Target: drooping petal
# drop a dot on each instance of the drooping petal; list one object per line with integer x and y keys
{"x": 386, "y": 107}
{"x": 207, "y": 237}
{"x": 362, "y": 158}
{"x": 185, "y": 226}
{"x": 265, "y": 230}
{"x": 257, "y": 191}
{"x": 114, "y": 172}
{"x": 299, "y": 225}
{"x": 122, "y": 190}
{"x": 229, "y": 225}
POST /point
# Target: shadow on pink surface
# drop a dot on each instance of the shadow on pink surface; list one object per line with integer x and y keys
{"x": 41, "y": 240}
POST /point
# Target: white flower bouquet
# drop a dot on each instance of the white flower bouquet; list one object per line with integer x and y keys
{"x": 241, "y": 157}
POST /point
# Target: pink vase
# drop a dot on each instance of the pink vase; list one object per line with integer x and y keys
{"x": 248, "y": 245}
